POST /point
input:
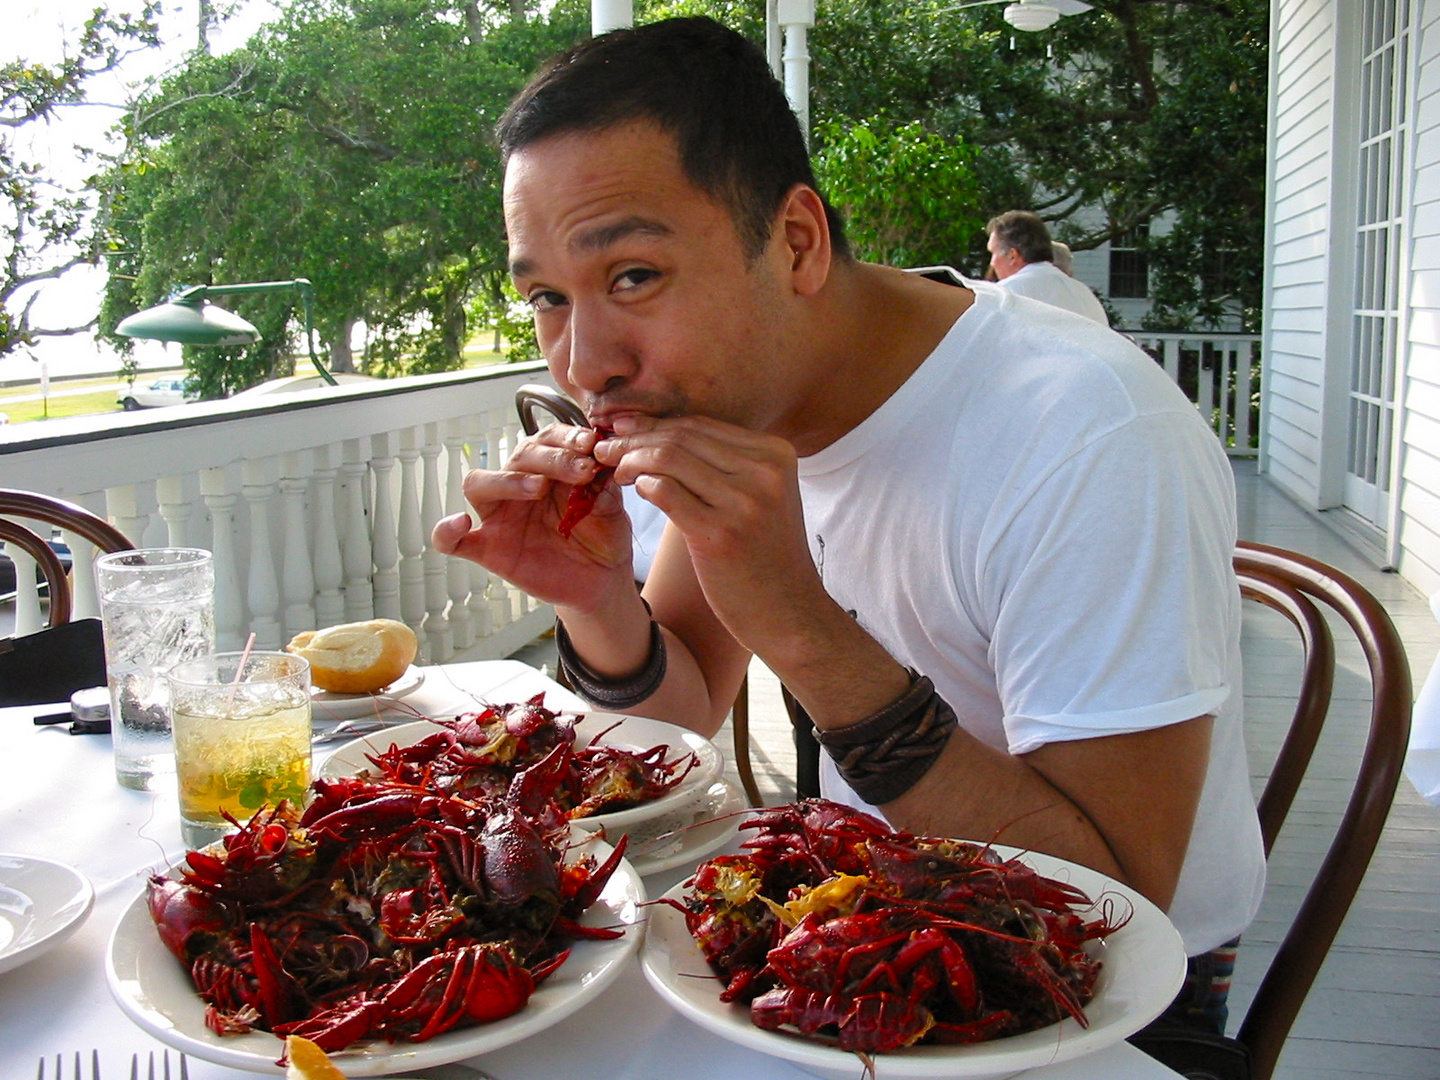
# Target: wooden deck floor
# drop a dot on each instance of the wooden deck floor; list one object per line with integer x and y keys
{"x": 1375, "y": 1009}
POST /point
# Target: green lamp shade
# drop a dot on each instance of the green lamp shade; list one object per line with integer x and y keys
{"x": 190, "y": 324}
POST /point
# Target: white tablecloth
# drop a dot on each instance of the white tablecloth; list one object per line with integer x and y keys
{"x": 1422, "y": 763}
{"x": 60, "y": 801}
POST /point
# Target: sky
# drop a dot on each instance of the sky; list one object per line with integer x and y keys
{"x": 39, "y": 30}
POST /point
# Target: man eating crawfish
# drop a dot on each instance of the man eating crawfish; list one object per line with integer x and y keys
{"x": 985, "y": 543}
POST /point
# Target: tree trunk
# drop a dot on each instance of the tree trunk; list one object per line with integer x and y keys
{"x": 341, "y": 358}
{"x": 474, "y": 25}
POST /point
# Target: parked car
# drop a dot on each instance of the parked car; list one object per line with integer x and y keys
{"x": 161, "y": 392}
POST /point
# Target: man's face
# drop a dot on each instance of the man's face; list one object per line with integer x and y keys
{"x": 1003, "y": 260}
{"x": 644, "y": 301}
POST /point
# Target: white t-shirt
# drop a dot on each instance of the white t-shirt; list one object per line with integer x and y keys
{"x": 1040, "y": 522}
{"x": 1046, "y": 282}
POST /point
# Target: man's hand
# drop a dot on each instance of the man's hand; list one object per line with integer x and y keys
{"x": 520, "y": 509}
{"x": 734, "y": 496}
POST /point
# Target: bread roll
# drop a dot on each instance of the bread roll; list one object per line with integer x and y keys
{"x": 357, "y": 658}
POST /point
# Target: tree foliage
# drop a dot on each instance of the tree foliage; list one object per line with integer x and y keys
{"x": 48, "y": 227}
{"x": 348, "y": 143}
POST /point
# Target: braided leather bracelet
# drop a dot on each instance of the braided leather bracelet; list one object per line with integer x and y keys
{"x": 609, "y": 693}
{"x": 886, "y": 754}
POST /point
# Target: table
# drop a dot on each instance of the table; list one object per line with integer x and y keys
{"x": 61, "y": 802}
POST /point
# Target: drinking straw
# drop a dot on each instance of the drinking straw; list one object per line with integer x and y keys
{"x": 239, "y": 670}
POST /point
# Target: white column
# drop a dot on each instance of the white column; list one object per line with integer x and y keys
{"x": 259, "y": 477}
{"x": 457, "y": 572}
{"x": 410, "y": 541}
{"x": 356, "y": 552}
{"x": 298, "y": 583}
{"x": 123, "y": 507}
{"x": 796, "y": 17}
{"x": 607, "y": 15}
{"x": 176, "y": 509}
{"x": 437, "y": 626}
{"x": 27, "y": 593}
{"x": 383, "y": 546}
{"x": 329, "y": 572}
{"x": 482, "y": 455}
{"x": 229, "y": 608}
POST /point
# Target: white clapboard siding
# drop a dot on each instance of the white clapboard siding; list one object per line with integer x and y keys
{"x": 1302, "y": 82}
{"x": 1419, "y": 489}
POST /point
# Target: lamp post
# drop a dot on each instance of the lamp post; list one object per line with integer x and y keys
{"x": 190, "y": 318}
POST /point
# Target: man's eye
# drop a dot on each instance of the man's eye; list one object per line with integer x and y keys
{"x": 544, "y": 300}
{"x": 633, "y": 278}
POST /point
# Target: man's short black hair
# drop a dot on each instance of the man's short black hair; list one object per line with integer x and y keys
{"x": 1024, "y": 232}
{"x": 699, "y": 82}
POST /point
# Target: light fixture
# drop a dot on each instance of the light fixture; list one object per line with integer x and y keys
{"x": 1031, "y": 15}
{"x": 190, "y": 318}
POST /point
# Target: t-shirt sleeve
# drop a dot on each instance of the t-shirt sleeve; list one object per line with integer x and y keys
{"x": 1110, "y": 588}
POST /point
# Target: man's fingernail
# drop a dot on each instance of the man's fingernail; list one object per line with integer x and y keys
{"x": 533, "y": 485}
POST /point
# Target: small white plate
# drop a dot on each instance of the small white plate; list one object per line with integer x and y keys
{"x": 41, "y": 904}
{"x": 688, "y": 835}
{"x": 629, "y": 732}
{"x": 155, "y": 991}
{"x": 1144, "y": 964}
{"x": 327, "y": 705}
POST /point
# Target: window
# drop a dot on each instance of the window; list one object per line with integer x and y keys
{"x": 1129, "y": 266}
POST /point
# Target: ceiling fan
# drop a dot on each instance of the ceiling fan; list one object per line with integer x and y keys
{"x": 1033, "y": 14}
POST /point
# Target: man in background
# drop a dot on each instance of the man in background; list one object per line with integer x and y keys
{"x": 1023, "y": 258}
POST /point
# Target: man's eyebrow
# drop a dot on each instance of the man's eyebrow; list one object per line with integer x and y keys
{"x": 599, "y": 238}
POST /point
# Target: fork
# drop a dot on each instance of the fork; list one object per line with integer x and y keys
{"x": 60, "y": 1072}
{"x": 165, "y": 1063}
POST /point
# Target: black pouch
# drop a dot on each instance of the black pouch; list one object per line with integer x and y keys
{"x": 49, "y": 666}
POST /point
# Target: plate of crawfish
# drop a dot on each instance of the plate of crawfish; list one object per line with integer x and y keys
{"x": 832, "y": 938}
{"x": 397, "y": 927}
{"x": 606, "y": 770}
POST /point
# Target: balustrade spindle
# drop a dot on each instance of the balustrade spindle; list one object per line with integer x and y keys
{"x": 329, "y": 571}
{"x": 229, "y": 609}
{"x": 299, "y": 575}
{"x": 28, "y": 616}
{"x": 262, "y": 592}
{"x": 457, "y": 572}
{"x": 177, "y": 510}
{"x": 356, "y": 553}
{"x": 411, "y": 543}
{"x": 384, "y": 548}
{"x": 497, "y": 590}
{"x": 123, "y": 506}
{"x": 437, "y": 624}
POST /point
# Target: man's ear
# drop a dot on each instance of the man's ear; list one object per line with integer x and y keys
{"x": 806, "y": 233}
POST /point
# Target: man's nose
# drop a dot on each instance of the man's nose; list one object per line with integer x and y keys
{"x": 594, "y": 351}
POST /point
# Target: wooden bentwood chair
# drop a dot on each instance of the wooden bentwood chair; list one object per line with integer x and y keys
{"x": 1301, "y": 589}
{"x": 49, "y": 510}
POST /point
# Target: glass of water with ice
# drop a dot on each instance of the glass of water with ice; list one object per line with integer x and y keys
{"x": 157, "y": 608}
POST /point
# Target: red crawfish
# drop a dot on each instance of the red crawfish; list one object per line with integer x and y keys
{"x": 583, "y": 497}
{"x": 834, "y": 925}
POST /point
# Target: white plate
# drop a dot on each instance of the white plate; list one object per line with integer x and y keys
{"x": 1144, "y": 965}
{"x": 41, "y": 904}
{"x": 155, "y": 991}
{"x": 327, "y": 705}
{"x": 633, "y": 733}
{"x": 689, "y": 834}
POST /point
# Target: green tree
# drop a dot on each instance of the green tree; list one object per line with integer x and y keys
{"x": 46, "y": 226}
{"x": 348, "y": 143}
{"x": 909, "y": 197}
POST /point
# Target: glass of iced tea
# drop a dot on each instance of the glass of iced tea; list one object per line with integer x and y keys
{"x": 241, "y": 723}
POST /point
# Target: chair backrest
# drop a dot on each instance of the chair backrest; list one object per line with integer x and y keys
{"x": 69, "y": 516}
{"x": 1300, "y": 588}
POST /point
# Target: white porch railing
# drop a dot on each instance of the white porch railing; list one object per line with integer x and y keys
{"x": 1220, "y": 373}
{"x": 317, "y": 505}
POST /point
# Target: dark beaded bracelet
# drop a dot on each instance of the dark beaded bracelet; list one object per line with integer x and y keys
{"x": 607, "y": 693}
{"x": 885, "y": 755}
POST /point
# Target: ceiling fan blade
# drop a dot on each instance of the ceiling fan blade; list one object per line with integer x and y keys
{"x": 1070, "y": 7}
